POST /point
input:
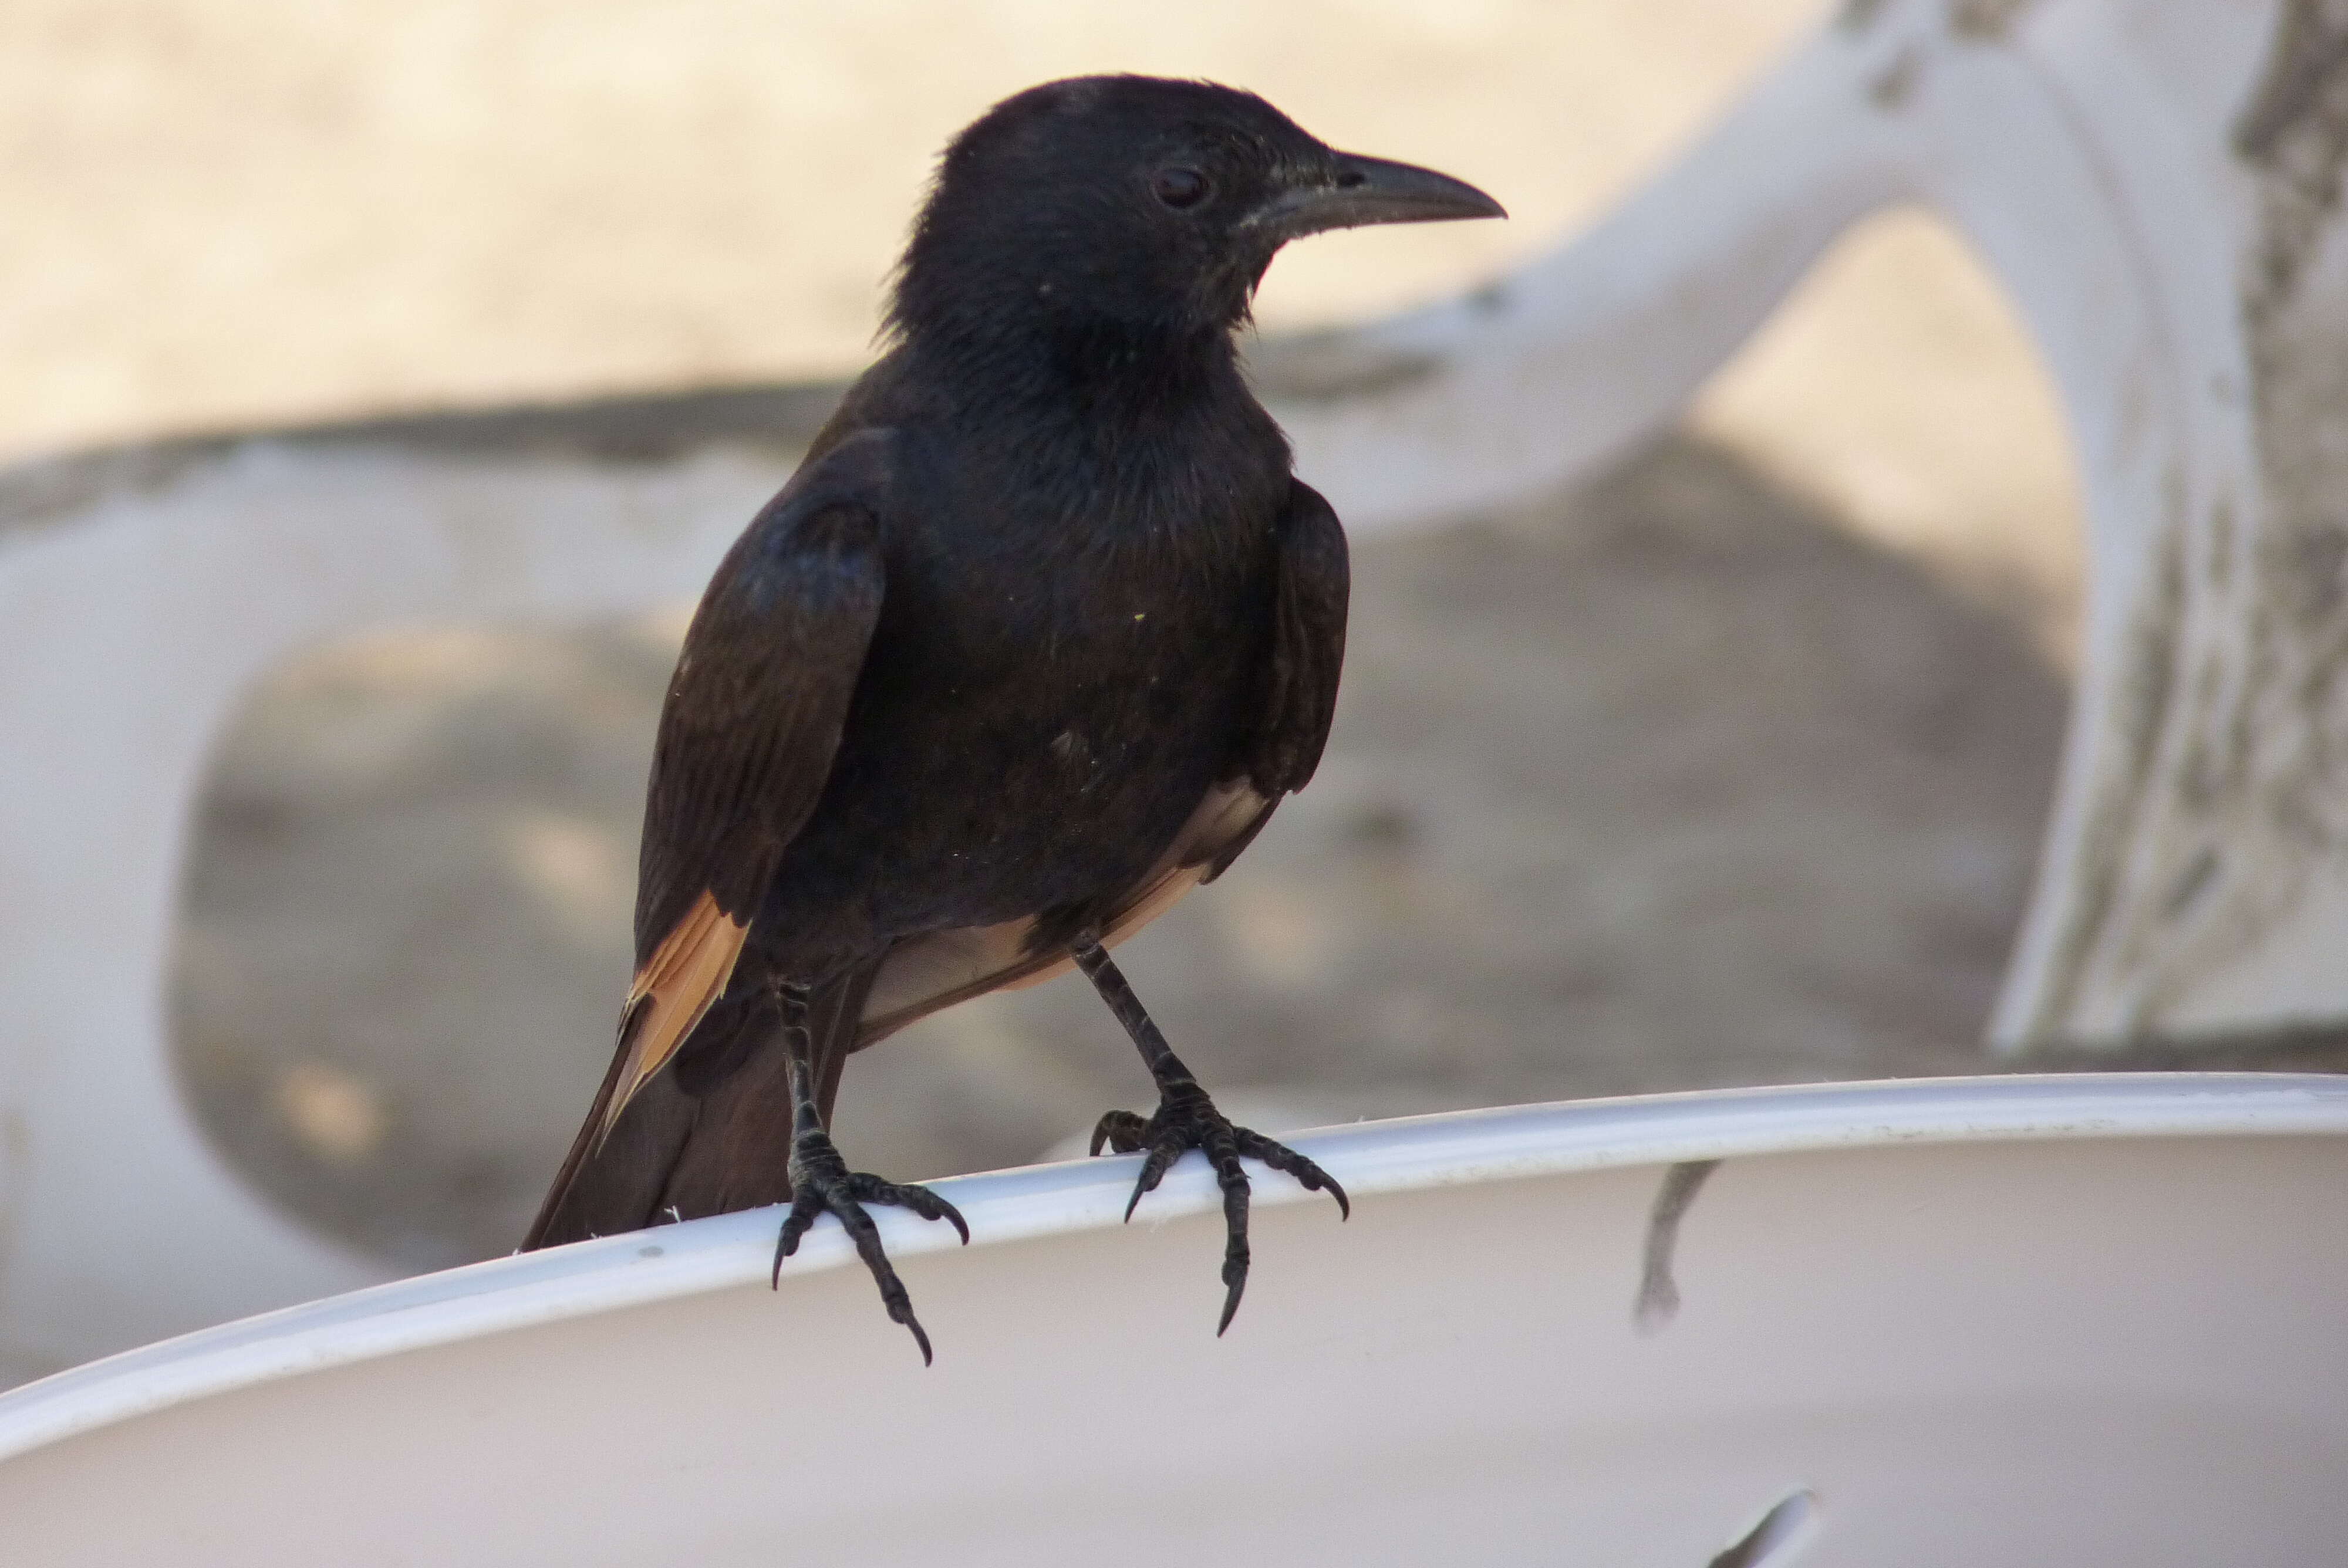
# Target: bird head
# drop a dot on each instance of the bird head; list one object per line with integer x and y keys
{"x": 1139, "y": 204}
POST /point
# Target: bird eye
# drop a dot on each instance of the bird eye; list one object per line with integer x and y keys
{"x": 1179, "y": 187}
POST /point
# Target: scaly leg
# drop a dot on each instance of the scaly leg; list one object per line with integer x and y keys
{"x": 1186, "y": 1119}
{"x": 821, "y": 1182}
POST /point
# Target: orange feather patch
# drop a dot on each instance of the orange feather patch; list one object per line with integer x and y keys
{"x": 685, "y": 973}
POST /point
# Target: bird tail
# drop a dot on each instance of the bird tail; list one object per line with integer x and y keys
{"x": 710, "y": 1135}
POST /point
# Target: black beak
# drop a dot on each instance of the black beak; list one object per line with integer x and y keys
{"x": 1352, "y": 191}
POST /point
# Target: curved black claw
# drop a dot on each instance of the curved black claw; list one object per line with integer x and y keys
{"x": 1188, "y": 1120}
{"x": 821, "y": 1186}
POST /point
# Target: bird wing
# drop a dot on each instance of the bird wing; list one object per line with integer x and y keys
{"x": 1276, "y": 756}
{"x": 746, "y": 742}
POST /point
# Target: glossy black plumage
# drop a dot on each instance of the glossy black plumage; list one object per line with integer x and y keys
{"x": 1034, "y": 641}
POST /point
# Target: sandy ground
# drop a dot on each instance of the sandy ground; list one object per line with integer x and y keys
{"x": 229, "y": 213}
{"x": 1727, "y": 769}
{"x": 235, "y": 211}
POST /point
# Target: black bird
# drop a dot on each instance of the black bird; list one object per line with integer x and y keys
{"x": 1032, "y": 644}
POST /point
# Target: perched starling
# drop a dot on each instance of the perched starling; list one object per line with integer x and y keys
{"x": 1032, "y": 644}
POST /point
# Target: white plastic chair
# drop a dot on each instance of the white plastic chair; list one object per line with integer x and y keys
{"x": 2145, "y": 178}
{"x": 2112, "y": 159}
{"x": 128, "y": 628}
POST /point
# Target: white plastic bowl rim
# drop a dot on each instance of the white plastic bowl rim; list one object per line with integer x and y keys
{"x": 1370, "y": 1158}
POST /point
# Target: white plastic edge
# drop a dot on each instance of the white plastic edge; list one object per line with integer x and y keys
{"x": 1370, "y": 1158}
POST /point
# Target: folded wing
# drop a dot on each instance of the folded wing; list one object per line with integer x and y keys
{"x": 745, "y": 743}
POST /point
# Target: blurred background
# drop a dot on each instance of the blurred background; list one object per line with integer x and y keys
{"x": 1727, "y": 768}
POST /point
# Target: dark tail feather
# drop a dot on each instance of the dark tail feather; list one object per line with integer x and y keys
{"x": 723, "y": 1147}
{"x": 603, "y": 1190}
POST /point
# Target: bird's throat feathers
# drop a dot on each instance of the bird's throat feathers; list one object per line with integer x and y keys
{"x": 998, "y": 333}
{"x": 1076, "y": 409}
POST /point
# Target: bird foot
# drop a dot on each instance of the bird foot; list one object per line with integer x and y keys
{"x": 1186, "y": 1119}
{"x": 822, "y": 1184}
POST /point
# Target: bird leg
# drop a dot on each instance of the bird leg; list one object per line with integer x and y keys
{"x": 821, "y": 1182}
{"x": 1186, "y": 1119}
